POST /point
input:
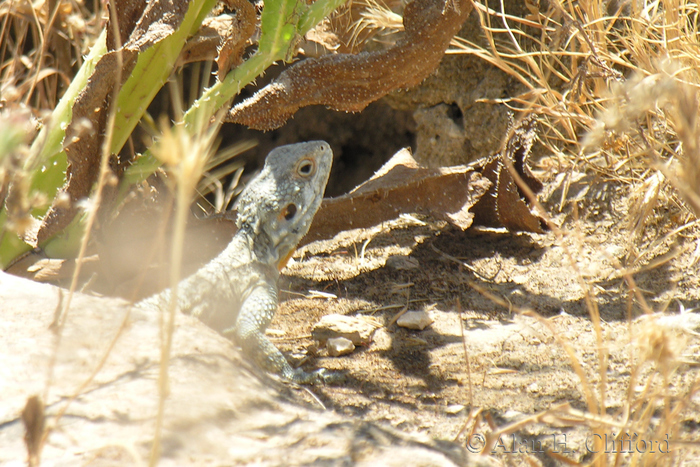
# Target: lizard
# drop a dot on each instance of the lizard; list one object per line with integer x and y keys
{"x": 236, "y": 292}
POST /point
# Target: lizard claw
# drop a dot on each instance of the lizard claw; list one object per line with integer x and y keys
{"x": 321, "y": 375}
{"x": 329, "y": 377}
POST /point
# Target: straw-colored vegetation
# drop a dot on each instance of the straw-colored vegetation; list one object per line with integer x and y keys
{"x": 615, "y": 86}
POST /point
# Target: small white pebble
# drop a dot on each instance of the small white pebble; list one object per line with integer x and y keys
{"x": 401, "y": 262}
{"x": 338, "y": 346}
{"x": 356, "y": 328}
{"x": 454, "y": 409}
{"x": 418, "y": 320}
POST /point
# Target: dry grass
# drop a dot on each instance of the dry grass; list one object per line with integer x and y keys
{"x": 615, "y": 86}
{"x": 185, "y": 158}
{"x": 34, "y": 39}
{"x": 616, "y": 90}
{"x": 40, "y": 49}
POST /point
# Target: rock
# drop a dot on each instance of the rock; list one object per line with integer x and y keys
{"x": 513, "y": 415}
{"x": 357, "y": 329}
{"x": 113, "y": 420}
{"x": 338, "y": 346}
{"x": 402, "y": 262}
{"x": 454, "y": 409}
{"x": 417, "y": 320}
{"x": 688, "y": 321}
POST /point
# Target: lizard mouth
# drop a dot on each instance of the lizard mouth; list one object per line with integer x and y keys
{"x": 297, "y": 219}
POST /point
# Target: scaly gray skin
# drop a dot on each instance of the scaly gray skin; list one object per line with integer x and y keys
{"x": 236, "y": 292}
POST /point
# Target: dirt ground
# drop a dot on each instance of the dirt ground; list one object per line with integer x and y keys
{"x": 505, "y": 364}
{"x": 512, "y": 358}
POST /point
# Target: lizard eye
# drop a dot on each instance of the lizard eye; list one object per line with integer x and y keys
{"x": 306, "y": 167}
{"x": 289, "y": 212}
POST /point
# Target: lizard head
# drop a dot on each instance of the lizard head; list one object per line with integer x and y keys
{"x": 278, "y": 205}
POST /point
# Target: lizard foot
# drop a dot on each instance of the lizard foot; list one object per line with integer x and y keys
{"x": 321, "y": 375}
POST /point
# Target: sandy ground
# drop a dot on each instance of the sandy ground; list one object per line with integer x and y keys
{"x": 511, "y": 359}
{"x": 507, "y": 364}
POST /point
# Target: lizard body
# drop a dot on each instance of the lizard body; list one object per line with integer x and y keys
{"x": 236, "y": 292}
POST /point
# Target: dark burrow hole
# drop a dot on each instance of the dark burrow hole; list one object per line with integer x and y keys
{"x": 455, "y": 114}
{"x": 362, "y": 142}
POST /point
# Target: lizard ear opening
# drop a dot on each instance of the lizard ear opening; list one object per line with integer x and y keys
{"x": 306, "y": 167}
{"x": 289, "y": 212}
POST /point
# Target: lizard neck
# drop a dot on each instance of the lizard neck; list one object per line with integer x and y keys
{"x": 258, "y": 245}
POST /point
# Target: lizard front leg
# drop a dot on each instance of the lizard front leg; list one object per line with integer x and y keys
{"x": 254, "y": 316}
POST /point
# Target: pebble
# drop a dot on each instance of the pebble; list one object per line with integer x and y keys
{"x": 402, "y": 262}
{"x": 417, "y": 320}
{"x": 338, "y": 346}
{"x": 358, "y": 330}
{"x": 454, "y": 409}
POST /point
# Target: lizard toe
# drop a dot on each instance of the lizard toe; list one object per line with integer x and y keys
{"x": 321, "y": 375}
